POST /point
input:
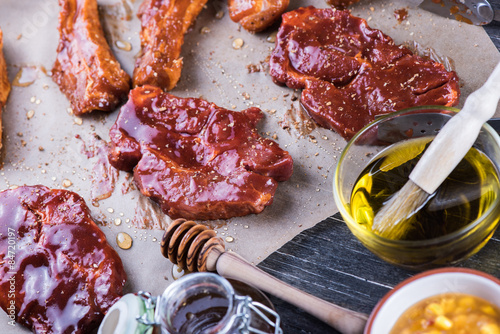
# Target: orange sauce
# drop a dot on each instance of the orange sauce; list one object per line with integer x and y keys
{"x": 451, "y": 313}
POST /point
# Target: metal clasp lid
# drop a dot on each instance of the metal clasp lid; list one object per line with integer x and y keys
{"x": 244, "y": 305}
{"x": 141, "y": 313}
{"x": 148, "y": 318}
{"x": 243, "y": 315}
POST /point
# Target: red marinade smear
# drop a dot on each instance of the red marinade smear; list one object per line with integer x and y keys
{"x": 197, "y": 160}
{"x": 401, "y": 14}
{"x": 66, "y": 275}
{"x": 351, "y": 73}
{"x": 103, "y": 175}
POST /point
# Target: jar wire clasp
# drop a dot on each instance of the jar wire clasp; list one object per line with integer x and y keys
{"x": 148, "y": 317}
{"x": 244, "y": 305}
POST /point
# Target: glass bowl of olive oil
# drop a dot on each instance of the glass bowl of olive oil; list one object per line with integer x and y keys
{"x": 454, "y": 223}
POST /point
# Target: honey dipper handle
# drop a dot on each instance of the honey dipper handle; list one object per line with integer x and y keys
{"x": 230, "y": 265}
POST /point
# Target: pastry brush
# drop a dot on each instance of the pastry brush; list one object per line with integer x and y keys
{"x": 442, "y": 156}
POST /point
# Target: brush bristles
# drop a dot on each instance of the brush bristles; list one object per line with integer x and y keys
{"x": 395, "y": 218}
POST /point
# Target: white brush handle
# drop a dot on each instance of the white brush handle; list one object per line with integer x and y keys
{"x": 457, "y": 136}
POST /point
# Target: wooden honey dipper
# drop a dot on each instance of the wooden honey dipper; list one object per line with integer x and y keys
{"x": 195, "y": 247}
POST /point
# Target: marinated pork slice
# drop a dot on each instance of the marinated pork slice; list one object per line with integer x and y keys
{"x": 85, "y": 68}
{"x": 4, "y": 83}
{"x": 197, "y": 160}
{"x": 351, "y": 73}
{"x": 58, "y": 274}
{"x": 256, "y": 15}
{"x": 164, "y": 23}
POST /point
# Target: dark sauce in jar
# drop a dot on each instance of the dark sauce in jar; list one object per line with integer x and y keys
{"x": 205, "y": 311}
{"x": 201, "y": 312}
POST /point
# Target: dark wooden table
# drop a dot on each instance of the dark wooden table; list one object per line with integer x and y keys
{"x": 329, "y": 262}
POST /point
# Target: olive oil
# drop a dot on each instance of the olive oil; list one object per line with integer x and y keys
{"x": 463, "y": 197}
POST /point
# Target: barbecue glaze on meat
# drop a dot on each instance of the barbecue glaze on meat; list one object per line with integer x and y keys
{"x": 197, "y": 160}
{"x": 4, "y": 83}
{"x": 351, "y": 73}
{"x": 164, "y": 23}
{"x": 256, "y": 15}
{"x": 58, "y": 274}
{"x": 85, "y": 68}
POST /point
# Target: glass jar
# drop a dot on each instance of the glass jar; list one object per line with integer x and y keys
{"x": 198, "y": 303}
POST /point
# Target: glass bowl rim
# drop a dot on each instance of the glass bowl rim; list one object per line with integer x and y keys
{"x": 443, "y": 240}
{"x": 432, "y": 274}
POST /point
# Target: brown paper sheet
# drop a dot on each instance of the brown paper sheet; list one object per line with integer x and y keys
{"x": 43, "y": 148}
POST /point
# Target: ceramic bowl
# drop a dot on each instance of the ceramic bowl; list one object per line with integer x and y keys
{"x": 413, "y": 254}
{"x": 428, "y": 284}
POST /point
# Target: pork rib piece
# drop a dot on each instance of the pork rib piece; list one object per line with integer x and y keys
{"x": 351, "y": 73}
{"x": 58, "y": 274}
{"x": 85, "y": 68}
{"x": 164, "y": 23}
{"x": 197, "y": 160}
{"x": 4, "y": 83}
{"x": 256, "y": 15}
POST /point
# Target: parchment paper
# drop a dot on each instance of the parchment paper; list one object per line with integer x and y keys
{"x": 43, "y": 149}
